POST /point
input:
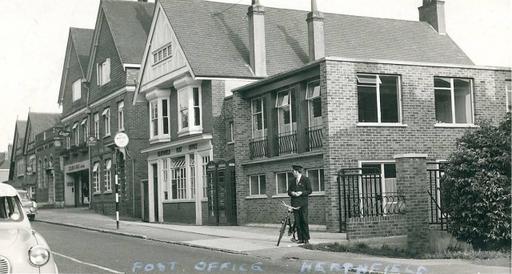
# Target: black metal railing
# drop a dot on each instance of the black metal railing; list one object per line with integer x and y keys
{"x": 287, "y": 142}
{"x": 258, "y": 147}
{"x": 438, "y": 216}
{"x": 314, "y": 137}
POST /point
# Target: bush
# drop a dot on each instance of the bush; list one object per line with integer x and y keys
{"x": 476, "y": 187}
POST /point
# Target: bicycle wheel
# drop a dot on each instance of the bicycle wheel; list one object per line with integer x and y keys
{"x": 283, "y": 228}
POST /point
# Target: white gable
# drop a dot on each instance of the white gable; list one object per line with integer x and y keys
{"x": 164, "y": 55}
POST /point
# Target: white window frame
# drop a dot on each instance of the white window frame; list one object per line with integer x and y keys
{"x": 108, "y": 175}
{"x": 363, "y": 82}
{"x": 76, "y": 134}
{"x": 103, "y": 72}
{"x": 205, "y": 161}
{"x": 163, "y": 53}
{"x": 310, "y": 97}
{"x": 85, "y": 129}
{"x": 382, "y": 181}
{"x": 319, "y": 173}
{"x": 280, "y": 108}
{"x": 157, "y": 118}
{"x": 254, "y": 114}
{"x": 76, "y": 88}
{"x": 120, "y": 116}
{"x": 288, "y": 178}
{"x": 96, "y": 178}
{"x": 258, "y": 176}
{"x": 106, "y": 121}
{"x": 177, "y": 172}
{"x": 187, "y": 94}
{"x": 231, "y": 132}
{"x": 96, "y": 125}
{"x": 451, "y": 89}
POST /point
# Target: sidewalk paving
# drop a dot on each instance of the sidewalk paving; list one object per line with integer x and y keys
{"x": 256, "y": 241}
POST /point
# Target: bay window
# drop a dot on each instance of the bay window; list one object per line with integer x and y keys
{"x": 453, "y": 100}
{"x": 378, "y": 98}
{"x": 159, "y": 119}
{"x": 189, "y": 109}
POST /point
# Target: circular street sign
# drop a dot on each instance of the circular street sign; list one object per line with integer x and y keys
{"x": 121, "y": 139}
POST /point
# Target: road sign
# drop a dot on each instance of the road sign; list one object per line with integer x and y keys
{"x": 121, "y": 139}
{"x": 92, "y": 141}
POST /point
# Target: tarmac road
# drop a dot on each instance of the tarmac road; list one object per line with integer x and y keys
{"x": 82, "y": 251}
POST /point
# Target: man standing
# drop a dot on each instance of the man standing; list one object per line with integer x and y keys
{"x": 299, "y": 191}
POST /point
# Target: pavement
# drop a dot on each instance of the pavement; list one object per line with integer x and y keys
{"x": 261, "y": 242}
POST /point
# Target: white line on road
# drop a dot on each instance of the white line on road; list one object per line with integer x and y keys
{"x": 89, "y": 264}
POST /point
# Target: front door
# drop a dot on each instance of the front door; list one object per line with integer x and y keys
{"x": 69, "y": 191}
{"x": 154, "y": 168}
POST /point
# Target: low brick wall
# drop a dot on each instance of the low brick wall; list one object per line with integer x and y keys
{"x": 380, "y": 226}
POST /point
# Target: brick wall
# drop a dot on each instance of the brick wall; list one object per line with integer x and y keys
{"x": 348, "y": 143}
{"x": 380, "y": 226}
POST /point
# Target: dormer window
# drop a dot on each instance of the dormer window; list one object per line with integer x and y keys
{"x": 77, "y": 89}
{"x": 103, "y": 72}
{"x": 162, "y": 54}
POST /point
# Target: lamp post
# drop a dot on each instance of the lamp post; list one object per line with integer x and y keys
{"x": 121, "y": 140}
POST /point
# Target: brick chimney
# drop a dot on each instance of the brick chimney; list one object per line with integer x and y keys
{"x": 432, "y": 12}
{"x": 257, "y": 51}
{"x": 316, "y": 38}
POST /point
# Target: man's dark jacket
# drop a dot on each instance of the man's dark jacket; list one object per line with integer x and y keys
{"x": 305, "y": 186}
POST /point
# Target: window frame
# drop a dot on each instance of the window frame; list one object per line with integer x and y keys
{"x": 96, "y": 178}
{"x": 76, "y": 134}
{"x": 310, "y": 101}
{"x": 451, "y": 89}
{"x": 319, "y": 171}
{"x": 157, "y": 120}
{"x": 381, "y": 164}
{"x": 377, "y": 85}
{"x": 106, "y": 121}
{"x": 280, "y": 108}
{"x": 230, "y": 133}
{"x": 107, "y": 179}
{"x": 76, "y": 90}
{"x": 254, "y": 114}
{"x": 187, "y": 94}
{"x": 96, "y": 121}
{"x": 159, "y": 56}
{"x": 85, "y": 129}
{"x": 120, "y": 116}
{"x": 288, "y": 174}
{"x": 258, "y": 176}
{"x": 103, "y": 72}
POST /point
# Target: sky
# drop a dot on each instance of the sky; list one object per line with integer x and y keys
{"x": 34, "y": 35}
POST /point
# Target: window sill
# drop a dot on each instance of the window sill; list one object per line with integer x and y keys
{"x": 254, "y": 197}
{"x": 230, "y": 143}
{"x": 381, "y": 125}
{"x": 446, "y": 125}
{"x": 178, "y": 201}
{"x": 159, "y": 139}
{"x": 108, "y": 135}
{"x": 108, "y": 192}
{"x": 317, "y": 193}
{"x": 96, "y": 193}
{"x": 280, "y": 195}
{"x": 189, "y": 131}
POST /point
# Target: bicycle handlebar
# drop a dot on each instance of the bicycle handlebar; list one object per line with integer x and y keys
{"x": 289, "y": 206}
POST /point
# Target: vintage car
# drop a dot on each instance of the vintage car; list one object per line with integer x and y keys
{"x": 29, "y": 206}
{"x": 22, "y": 249}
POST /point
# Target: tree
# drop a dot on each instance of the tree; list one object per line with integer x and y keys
{"x": 476, "y": 186}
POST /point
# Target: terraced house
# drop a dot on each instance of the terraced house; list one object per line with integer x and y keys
{"x": 98, "y": 84}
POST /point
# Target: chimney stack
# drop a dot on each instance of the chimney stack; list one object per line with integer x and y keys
{"x": 432, "y": 12}
{"x": 257, "y": 51}
{"x": 316, "y": 38}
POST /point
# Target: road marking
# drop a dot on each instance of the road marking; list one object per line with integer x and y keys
{"x": 89, "y": 264}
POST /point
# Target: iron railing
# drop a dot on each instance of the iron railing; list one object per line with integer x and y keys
{"x": 314, "y": 137}
{"x": 258, "y": 147}
{"x": 438, "y": 216}
{"x": 287, "y": 142}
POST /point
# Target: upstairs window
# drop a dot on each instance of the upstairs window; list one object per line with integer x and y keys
{"x": 159, "y": 117}
{"x": 162, "y": 54}
{"x": 189, "y": 104}
{"x": 103, "y": 72}
{"x": 508, "y": 94}
{"x": 85, "y": 130}
{"x": 120, "y": 116}
{"x": 258, "y": 118}
{"x": 230, "y": 133}
{"x": 314, "y": 104}
{"x": 106, "y": 121}
{"x": 77, "y": 89}
{"x": 286, "y": 117}
{"x": 96, "y": 178}
{"x": 453, "y": 100}
{"x": 378, "y": 98}
{"x": 96, "y": 125}
{"x": 76, "y": 134}
{"x": 108, "y": 175}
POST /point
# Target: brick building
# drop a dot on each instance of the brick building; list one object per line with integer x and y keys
{"x": 97, "y": 88}
{"x": 357, "y": 105}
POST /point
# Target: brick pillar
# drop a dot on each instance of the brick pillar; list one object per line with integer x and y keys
{"x": 412, "y": 182}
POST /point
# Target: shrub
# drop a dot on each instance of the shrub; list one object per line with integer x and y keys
{"x": 476, "y": 187}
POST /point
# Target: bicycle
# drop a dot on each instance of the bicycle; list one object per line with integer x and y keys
{"x": 287, "y": 221}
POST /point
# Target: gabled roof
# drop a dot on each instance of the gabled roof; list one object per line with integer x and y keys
{"x": 214, "y": 38}
{"x": 40, "y": 122}
{"x": 79, "y": 40}
{"x": 21, "y": 127}
{"x": 129, "y": 24}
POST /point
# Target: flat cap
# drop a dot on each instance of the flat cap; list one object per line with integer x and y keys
{"x": 297, "y": 167}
